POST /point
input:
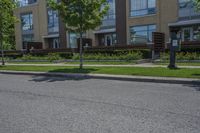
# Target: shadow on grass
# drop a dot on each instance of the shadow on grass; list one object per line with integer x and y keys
{"x": 176, "y": 68}
{"x": 196, "y": 75}
{"x": 74, "y": 70}
{"x": 69, "y": 75}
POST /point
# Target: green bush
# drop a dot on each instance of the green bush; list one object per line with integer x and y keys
{"x": 182, "y": 56}
{"x": 145, "y": 53}
{"x": 66, "y": 55}
{"x": 104, "y": 56}
{"x": 53, "y": 57}
{"x": 27, "y": 57}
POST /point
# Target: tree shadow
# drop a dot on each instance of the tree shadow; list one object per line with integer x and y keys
{"x": 196, "y": 75}
{"x": 196, "y": 86}
{"x": 176, "y": 68}
{"x": 74, "y": 70}
{"x": 75, "y": 74}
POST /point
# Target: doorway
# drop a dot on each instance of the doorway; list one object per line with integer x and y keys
{"x": 56, "y": 43}
{"x": 108, "y": 40}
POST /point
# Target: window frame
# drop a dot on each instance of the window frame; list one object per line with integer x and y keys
{"x": 149, "y": 10}
{"x": 30, "y": 25}
{"x": 148, "y": 31}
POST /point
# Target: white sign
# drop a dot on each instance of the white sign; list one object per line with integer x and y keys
{"x": 175, "y": 43}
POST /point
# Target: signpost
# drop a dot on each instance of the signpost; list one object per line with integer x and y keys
{"x": 174, "y": 46}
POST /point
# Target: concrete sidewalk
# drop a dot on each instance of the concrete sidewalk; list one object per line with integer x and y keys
{"x": 98, "y": 65}
{"x": 108, "y": 77}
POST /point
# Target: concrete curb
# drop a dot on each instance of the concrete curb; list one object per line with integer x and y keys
{"x": 108, "y": 77}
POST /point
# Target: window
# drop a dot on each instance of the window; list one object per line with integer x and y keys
{"x": 190, "y": 33}
{"x": 111, "y": 12}
{"x": 73, "y": 39}
{"x": 27, "y": 22}
{"x": 142, "y": 7}
{"x": 53, "y": 21}
{"x": 26, "y": 2}
{"x": 187, "y": 10}
{"x": 109, "y": 18}
{"x": 25, "y": 39}
{"x": 141, "y": 34}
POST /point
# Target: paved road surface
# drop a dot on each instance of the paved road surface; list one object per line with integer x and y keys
{"x": 31, "y": 104}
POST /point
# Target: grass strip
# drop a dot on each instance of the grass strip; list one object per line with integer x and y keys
{"x": 158, "y": 72}
{"x": 181, "y": 64}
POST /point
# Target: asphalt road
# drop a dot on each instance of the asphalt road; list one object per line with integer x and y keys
{"x": 30, "y": 104}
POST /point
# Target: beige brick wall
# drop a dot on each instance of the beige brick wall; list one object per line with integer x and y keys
{"x": 39, "y": 12}
{"x": 167, "y": 11}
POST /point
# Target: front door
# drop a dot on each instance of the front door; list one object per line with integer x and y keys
{"x": 108, "y": 40}
{"x": 56, "y": 43}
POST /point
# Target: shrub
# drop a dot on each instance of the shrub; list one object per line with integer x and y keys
{"x": 53, "y": 56}
{"x": 182, "y": 56}
{"x": 27, "y": 57}
{"x": 66, "y": 55}
{"x": 145, "y": 53}
{"x": 128, "y": 56}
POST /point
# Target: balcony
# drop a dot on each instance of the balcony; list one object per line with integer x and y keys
{"x": 109, "y": 21}
{"x": 187, "y": 11}
{"x": 22, "y": 3}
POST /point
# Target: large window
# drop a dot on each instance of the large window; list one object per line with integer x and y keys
{"x": 141, "y": 34}
{"x": 142, "y": 7}
{"x": 111, "y": 12}
{"x": 187, "y": 10}
{"x": 73, "y": 38}
{"x": 109, "y": 18}
{"x": 53, "y": 24}
{"x": 190, "y": 33}
{"x": 26, "y": 2}
{"x": 27, "y": 22}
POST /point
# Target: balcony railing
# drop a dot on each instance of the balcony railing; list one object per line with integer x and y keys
{"x": 22, "y": 3}
{"x": 187, "y": 11}
{"x": 109, "y": 21}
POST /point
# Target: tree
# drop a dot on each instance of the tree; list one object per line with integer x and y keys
{"x": 7, "y": 20}
{"x": 197, "y": 3}
{"x": 81, "y": 15}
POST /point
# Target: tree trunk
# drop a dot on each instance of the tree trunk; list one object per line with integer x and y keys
{"x": 81, "y": 50}
{"x": 1, "y": 41}
{"x": 2, "y": 52}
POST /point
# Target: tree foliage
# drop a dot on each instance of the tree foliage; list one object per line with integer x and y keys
{"x": 7, "y": 21}
{"x": 197, "y": 2}
{"x": 81, "y": 15}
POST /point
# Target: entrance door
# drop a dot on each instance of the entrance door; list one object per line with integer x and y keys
{"x": 56, "y": 43}
{"x": 108, "y": 40}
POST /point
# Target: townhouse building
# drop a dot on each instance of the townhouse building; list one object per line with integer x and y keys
{"x": 128, "y": 22}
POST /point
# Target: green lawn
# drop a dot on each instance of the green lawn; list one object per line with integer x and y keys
{"x": 181, "y": 64}
{"x": 160, "y": 72}
{"x": 77, "y": 62}
{"x": 10, "y": 62}
{"x": 103, "y": 63}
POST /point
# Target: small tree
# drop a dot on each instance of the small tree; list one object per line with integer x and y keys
{"x": 80, "y": 16}
{"x": 6, "y": 22}
{"x": 197, "y": 3}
